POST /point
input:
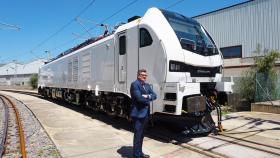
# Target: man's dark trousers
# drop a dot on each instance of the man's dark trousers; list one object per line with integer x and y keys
{"x": 139, "y": 125}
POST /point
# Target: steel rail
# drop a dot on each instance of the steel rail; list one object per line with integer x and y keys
{"x": 250, "y": 144}
{"x": 35, "y": 94}
{"x": 5, "y": 130}
{"x": 184, "y": 145}
{"x": 19, "y": 125}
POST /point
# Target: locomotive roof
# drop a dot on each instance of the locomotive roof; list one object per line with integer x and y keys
{"x": 79, "y": 46}
{"x": 119, "y": 28}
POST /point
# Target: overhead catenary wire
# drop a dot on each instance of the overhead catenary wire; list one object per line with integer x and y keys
{"x": 112, "y": 15}
{"x": 115, "y": 13}
{"x": 120, "y": 10}
{"x": 104, "y": 20}
{"x": 64, "y": 26}
{"x": 174, "y": 4}
{"x": 78, "y": 20}
{"x": 9, "y": 26}
{"x": 58, "y": 31}
{"x": 77, "y": 36}
{"x": 81, "y": 21}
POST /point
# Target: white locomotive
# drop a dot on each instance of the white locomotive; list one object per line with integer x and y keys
{"x": 182, "y": 60}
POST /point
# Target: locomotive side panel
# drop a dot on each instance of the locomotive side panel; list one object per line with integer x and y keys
{"x": 85, "y": 66}
{"x": 132, "y": 55}
{"x": 153, "y": 58}
{"x": 102, "y": 69}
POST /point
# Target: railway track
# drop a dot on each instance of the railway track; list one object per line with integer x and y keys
{"x": 9, "y": 133}
{"x": 4, "y": 126}
{"x": 227, "y": 138}
{"x": 168, "y": 135}
{"x": 35, "y": 94}
{"x": 191, "y": 147}
{"x": 162, "y": 137}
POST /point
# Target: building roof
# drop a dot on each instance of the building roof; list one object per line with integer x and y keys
{"x": 223, "y": 8}
{"x": 20, "y": 69}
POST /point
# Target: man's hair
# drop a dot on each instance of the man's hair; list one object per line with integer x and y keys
{"x": 140, "y": 71}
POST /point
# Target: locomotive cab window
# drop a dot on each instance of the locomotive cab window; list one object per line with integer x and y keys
{"x": 145, "y": 38}
{"x": 122, "y": 45}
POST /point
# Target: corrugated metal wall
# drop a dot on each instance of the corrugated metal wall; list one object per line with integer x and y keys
{"x": 246, "y": 24}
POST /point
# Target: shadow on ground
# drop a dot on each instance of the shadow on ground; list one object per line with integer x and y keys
{"x": 125, "y": 151}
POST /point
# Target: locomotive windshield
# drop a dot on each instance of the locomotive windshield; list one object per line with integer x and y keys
{"x": 191, "y": 34}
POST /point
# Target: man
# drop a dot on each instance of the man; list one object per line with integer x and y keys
{"x": 141, "y": 95}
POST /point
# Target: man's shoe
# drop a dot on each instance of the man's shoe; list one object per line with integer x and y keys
{"x": 145, "y": 156}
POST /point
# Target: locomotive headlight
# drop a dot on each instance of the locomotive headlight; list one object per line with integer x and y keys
{"x": 175, "y": 66}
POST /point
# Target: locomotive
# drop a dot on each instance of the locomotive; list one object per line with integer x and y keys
{"x": 183, "y": 62}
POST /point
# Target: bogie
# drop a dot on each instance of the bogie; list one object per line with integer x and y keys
{"x": 114, "y": 104}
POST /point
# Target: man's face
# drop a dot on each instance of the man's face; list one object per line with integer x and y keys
{"x": 142, "y": 76}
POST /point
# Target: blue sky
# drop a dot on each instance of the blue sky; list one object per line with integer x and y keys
{"x": 49, "y": 25}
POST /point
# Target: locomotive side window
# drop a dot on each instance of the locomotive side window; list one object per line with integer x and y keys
{"x": 145, "y": 38}
{"x": 122, "y": 45}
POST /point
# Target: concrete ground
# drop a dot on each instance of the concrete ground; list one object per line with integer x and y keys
{"x": 79, "y": 132}
{"x": 244, "y": 133}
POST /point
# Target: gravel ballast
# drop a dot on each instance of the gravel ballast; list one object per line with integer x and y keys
{"x": 38, "y": 143}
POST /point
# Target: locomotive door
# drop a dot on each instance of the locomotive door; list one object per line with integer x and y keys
{"x": 122, "y": 68}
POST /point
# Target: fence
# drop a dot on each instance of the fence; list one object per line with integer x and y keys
{"x": 267, "y": 87}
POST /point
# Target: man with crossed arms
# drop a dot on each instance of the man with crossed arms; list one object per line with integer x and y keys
{"x": 141, "y": 96}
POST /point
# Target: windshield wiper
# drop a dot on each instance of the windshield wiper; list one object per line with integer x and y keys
{"x": 188, "y": 44}
{"x": 211, "y": 48}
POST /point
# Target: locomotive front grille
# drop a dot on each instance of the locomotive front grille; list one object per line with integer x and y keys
{"x": 169, "y": 108}
{"x": 194, "y": 104}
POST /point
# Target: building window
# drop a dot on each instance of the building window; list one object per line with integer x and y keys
{"x": 145, "y": 38}
{"x": 122, "y": 45}
{"x": 232, "y": 52}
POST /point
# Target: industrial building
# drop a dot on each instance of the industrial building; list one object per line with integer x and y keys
{"x": 238, "y": 29}
{"x": 18, "y": 74}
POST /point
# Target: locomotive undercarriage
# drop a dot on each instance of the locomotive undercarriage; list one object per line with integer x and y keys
{"x": 114, "y": 104}
{"x": 195, "y": 118}
{"x": 111, "y": 103}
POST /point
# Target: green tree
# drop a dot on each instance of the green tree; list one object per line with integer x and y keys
{"x": 33, "y": 81}
{"x": 261, "y": 79}
{"x": 266, "y": 64}
{"x": 246, "y": 85}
